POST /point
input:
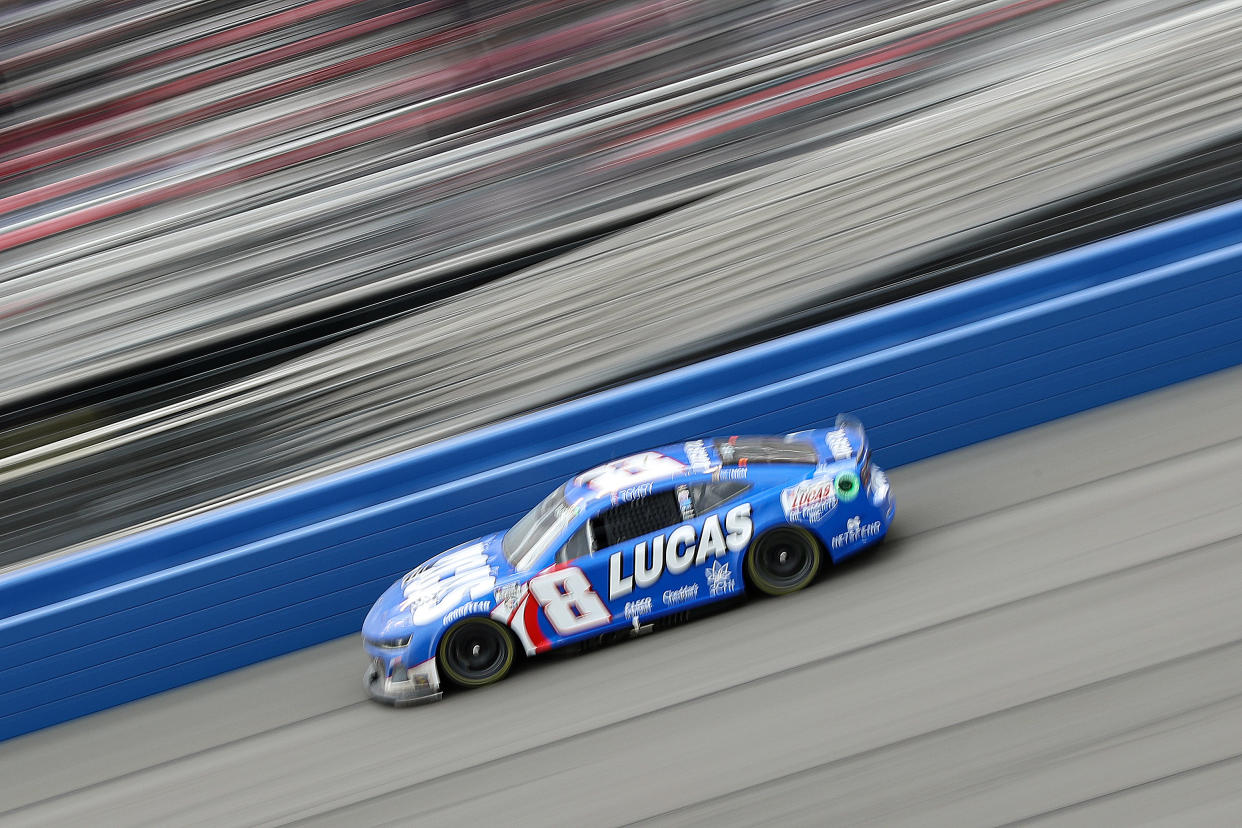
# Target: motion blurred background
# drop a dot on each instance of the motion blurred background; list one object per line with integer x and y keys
{"x": 246, "y": 243}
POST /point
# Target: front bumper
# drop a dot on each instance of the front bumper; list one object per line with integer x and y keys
{"x": 420, "y": 685}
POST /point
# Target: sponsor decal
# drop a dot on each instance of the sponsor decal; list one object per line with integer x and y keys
{"x": 681, "y": 596}
{"x": 810, "y": 500}
{"x": 471, "y": 608}
{"x": 684, "y": 503}
{"x": 678, "y": 550}
{"x": 839, "y": 444}
{"x": 696, "y": 453}
{"x": 633, "y": 609}
{"x": 632, "y": 493}
{"x": 444, "y": 582}
{"x": 719, "y": 579}
{"x": 855, "y": 531}
{"x": 509, "y": 596}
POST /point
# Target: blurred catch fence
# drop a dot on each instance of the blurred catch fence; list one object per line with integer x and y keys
{"x": 794, "y": 152}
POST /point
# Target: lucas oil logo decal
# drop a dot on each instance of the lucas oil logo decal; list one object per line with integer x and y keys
{"x": 809, "y": 500}
{"x": 678, "y": 551}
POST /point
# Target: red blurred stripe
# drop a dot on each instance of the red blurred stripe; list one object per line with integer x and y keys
{"x": 238, "y": 33}
{"x": 58, "y": 124}
{"x": 771, "y": 110}
{"x": 202, "y": 44}
{"x": 902, "y": 48}
{"x": 121, "y": 133}
{"x": 23, "y": 59}
{"x": 531, "y": 50}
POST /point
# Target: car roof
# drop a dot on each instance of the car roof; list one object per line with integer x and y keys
{"x": 638, "y": 474}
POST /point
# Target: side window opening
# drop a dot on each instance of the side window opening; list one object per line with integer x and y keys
{"x": 708, "y": 496}
{"x": 578, "y": 545}
{"x": 749, "y": 451}
{"x": 627, "y": 521}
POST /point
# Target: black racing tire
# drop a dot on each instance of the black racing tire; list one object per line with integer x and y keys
{"x": 784, "y": 560}
{"x": 476, "y": 651}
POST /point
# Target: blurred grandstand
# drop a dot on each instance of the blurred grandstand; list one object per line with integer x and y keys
{"x": 245, "y": 243}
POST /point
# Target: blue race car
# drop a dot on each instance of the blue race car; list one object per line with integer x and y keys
{"x": 617, "y": 547}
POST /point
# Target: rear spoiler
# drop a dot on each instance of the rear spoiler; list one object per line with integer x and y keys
{"x": 848, "y": 439}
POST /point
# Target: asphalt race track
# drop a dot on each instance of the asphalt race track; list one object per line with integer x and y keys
{"x": 1053, "y": 634}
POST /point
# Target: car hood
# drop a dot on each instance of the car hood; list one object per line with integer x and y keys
{"x": 453, "y": 584}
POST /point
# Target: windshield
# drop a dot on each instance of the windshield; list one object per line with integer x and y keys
{"x": 531, "y": 535}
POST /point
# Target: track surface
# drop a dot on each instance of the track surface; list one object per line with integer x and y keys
{"x": 1053, "y": 633}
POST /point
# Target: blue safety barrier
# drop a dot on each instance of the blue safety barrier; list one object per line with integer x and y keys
{"x": 301, "y": 566}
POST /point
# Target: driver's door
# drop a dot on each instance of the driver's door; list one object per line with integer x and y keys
{"x": 594, "y": 587}
{"x": 629, "y": 561}
{"x": 567, "y": 595}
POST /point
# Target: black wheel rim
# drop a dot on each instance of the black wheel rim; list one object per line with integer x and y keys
{"x": 476, "y": 651}
{"x": 785, "y": 559}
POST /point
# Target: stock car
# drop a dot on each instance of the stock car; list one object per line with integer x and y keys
{"x": 625, "y": 544}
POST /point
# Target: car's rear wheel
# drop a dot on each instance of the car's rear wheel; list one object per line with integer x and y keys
{"x": 783, "y": 560}
{"x": 475, "y": 652}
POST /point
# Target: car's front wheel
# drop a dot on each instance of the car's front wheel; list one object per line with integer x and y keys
{"x": 783, "y": 560}
{"x": 475, "y": 652}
